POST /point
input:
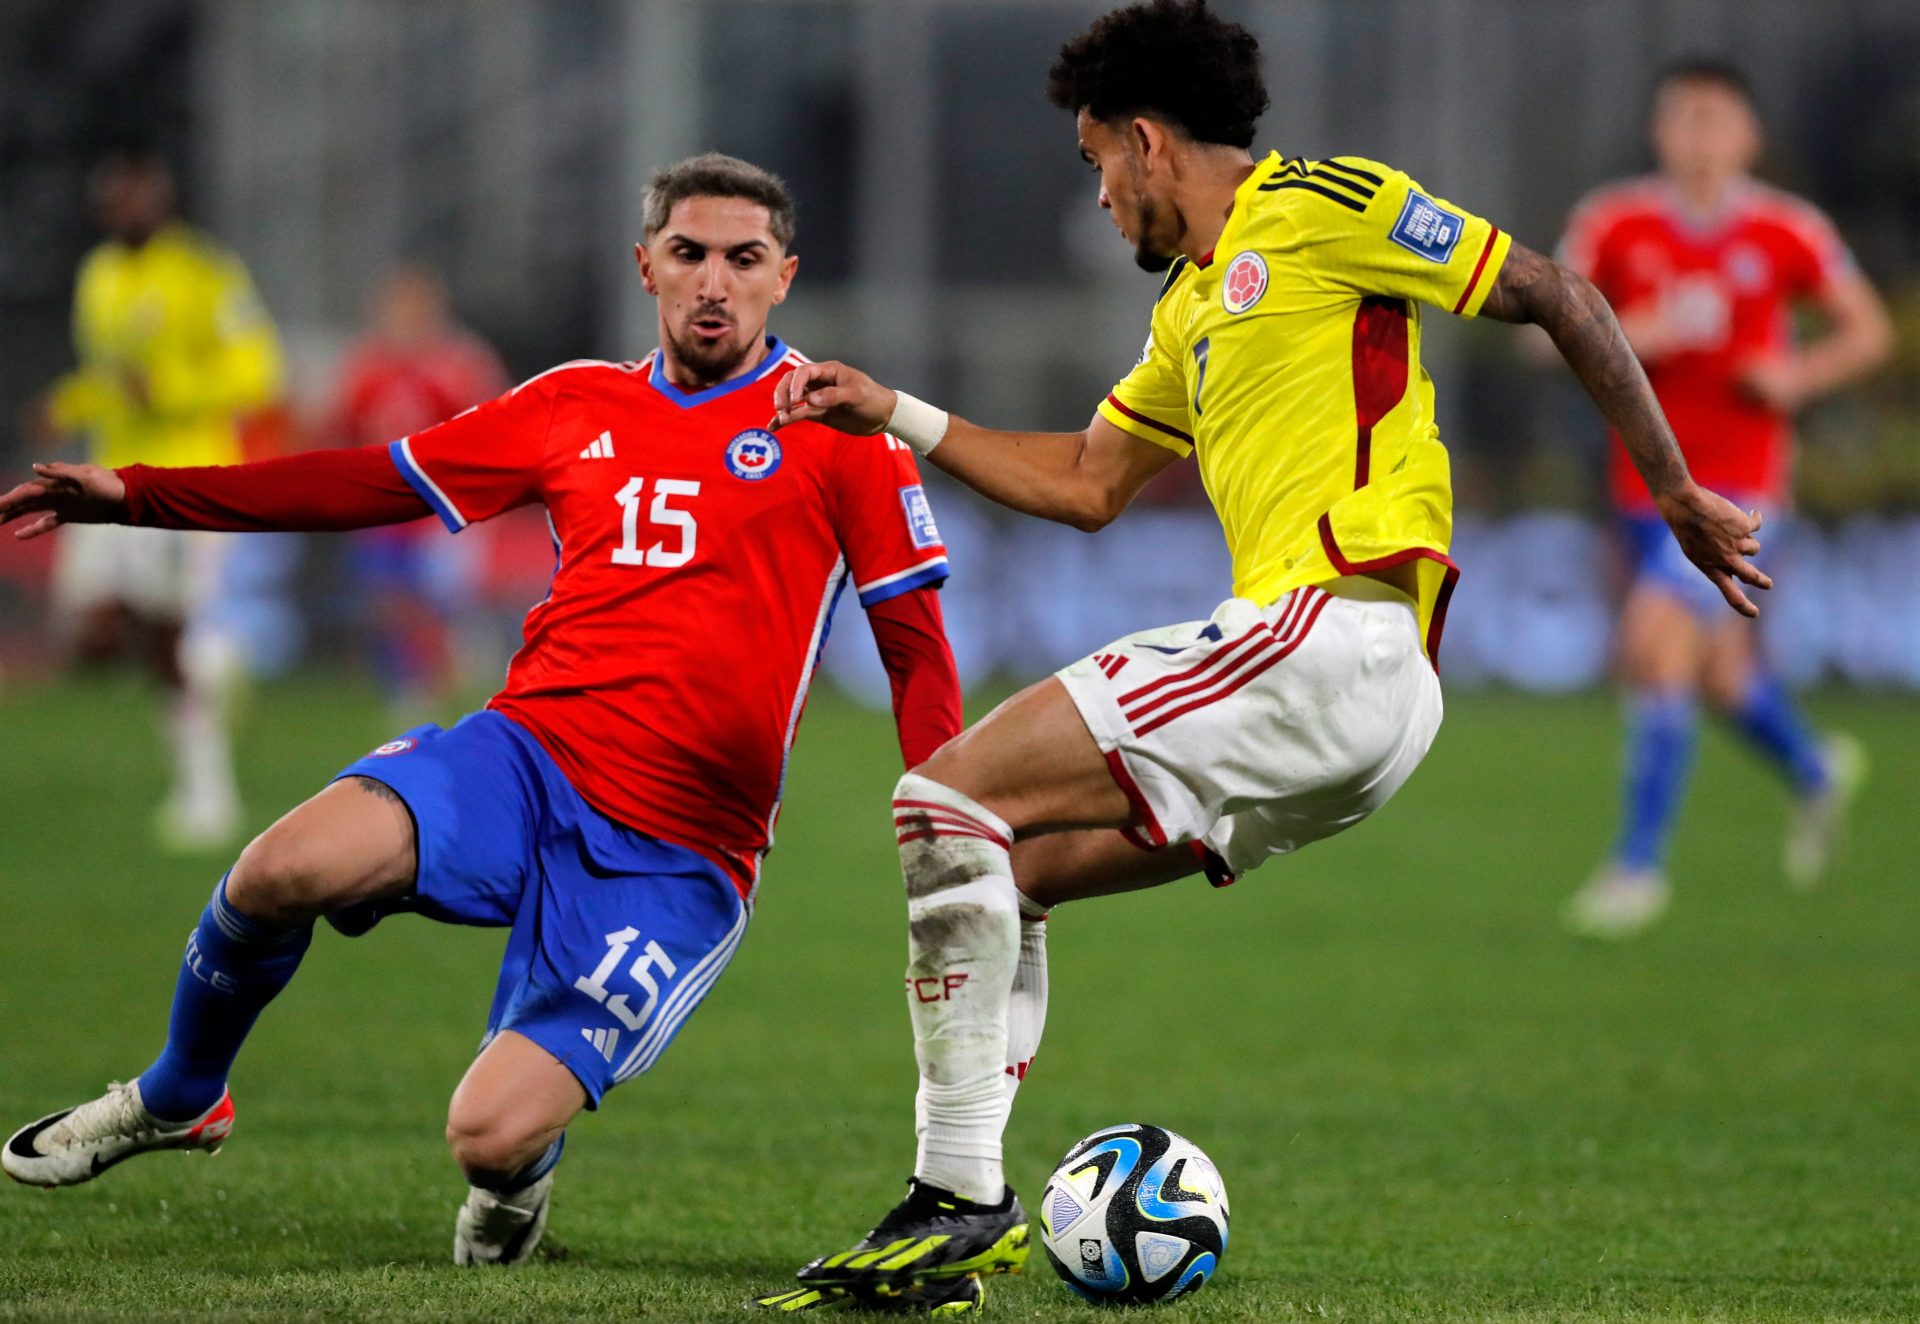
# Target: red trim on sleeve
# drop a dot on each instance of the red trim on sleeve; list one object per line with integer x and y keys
{"x": 912, "y": 639}
{"x": 1154, "y": 423}
{"x": 1346, "y": 567}
{"x": 1379, "y": 372}
{"x": 1493, "y": 233}
{"x": 318, "y": 490}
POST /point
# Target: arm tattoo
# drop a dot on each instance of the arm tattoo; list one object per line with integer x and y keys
{"x": 1533, "y": 288}
{"x": 378, "y": 788}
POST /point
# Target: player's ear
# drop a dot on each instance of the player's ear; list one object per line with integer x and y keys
{"x": 788, "y": 265}
{"x": 645, "y": 261}
{"x": 1148, "y": 138}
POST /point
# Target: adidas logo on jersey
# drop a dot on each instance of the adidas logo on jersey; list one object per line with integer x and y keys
{"x": 600, "y": 448}
{"x": 603, "y": 1041}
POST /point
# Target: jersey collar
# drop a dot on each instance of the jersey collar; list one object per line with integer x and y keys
{"x": 1698, "y": 224}
{"x": 1242, "y": 203}
{"x": 776, "y": 356}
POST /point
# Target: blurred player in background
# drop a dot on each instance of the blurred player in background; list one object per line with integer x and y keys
{"x": 174, "y": 351}
{"x": 1707, "y": 267}
{"x": 613, "y": 803}
{"x": 1284, "y": 354}
{"x": 413, "y": 368}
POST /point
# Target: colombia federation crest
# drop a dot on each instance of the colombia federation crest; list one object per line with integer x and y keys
{"x": 1244, "y": 283}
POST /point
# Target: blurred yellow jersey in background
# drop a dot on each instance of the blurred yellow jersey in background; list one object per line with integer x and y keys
{"x": 1289, "y": 359}
{"x": 178, "y": 322}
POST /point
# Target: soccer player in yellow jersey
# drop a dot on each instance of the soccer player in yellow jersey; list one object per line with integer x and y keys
{"x": 174, "y": 349}
{"x": 1285, "y": 356}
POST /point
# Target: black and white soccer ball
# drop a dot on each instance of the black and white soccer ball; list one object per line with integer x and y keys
{"x": 1134, "y": 1214}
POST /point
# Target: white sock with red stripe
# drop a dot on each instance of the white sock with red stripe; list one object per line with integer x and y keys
{"x": 963, "y": 945}
{"x": 1027, "y": 1008}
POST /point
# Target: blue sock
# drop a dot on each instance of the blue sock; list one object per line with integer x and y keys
{"x": 1659, "y": 757}
{"x": 233, "y": 968}
{"x": 533, "y": 1172}
{"x": 1771, "y": 724}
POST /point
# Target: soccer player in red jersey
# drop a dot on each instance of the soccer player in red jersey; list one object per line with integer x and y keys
{"x": 1707, "y": 268}
{"x": 612, "y": 804}
{"x": 414, "y": 367}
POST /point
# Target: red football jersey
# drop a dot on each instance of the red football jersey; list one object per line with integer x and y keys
{"x": 386, "y": 392}
{"x": 1727, "y": 283}
{"x": 700, "y": 558}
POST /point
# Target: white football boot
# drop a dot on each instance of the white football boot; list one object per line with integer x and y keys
{"x": 1816, "y": 824}
{"x": 1618, "y": 902}
{"x": 501, "y": 1229}
{"x": 78, "y": 1144}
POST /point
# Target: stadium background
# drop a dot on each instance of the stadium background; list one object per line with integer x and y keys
{"x": 949, "y": 242}
{"x": 1425, "y": 1098}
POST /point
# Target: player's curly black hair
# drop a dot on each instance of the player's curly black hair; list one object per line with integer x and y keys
{"x": 1176, "y": 60}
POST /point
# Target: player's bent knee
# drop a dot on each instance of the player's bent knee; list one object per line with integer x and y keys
{"x": 281, "y": 878}
{"x": 491, "y": 1147}
{"x": 926, "y": 809}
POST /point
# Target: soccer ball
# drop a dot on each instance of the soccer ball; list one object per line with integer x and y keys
{"x": 1134, "y": 1214}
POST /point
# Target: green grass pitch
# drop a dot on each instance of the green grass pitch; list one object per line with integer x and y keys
{"x": 1427, "y": 1102}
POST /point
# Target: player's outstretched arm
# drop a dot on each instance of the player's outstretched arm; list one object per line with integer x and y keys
{"x": 320, "y": 490}
{"x": 1716, "y": 535}
{"x": 1084, "y": 479}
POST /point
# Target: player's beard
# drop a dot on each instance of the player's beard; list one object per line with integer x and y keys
{"x": 711, "y": 361}
{"x": 1145, "y": 255}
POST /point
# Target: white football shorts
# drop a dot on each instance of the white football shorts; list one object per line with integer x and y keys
{"x": 1258, "y": 731}
{"x": 163, "y": 573}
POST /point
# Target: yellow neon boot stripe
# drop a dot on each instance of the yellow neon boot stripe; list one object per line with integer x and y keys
{"x": 912, "y": 1253}
{"x": 862, "y": 1261}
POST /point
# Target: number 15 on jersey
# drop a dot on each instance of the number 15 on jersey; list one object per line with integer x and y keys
{"x": 662, "y": 515}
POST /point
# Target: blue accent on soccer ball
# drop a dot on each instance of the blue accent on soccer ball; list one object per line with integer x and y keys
{"x": 1062, "y": 1210}
{"x": 1195, "y": 1277}
{"x": 1126, "y": 1152}
{"x": 1150, "y": 1185}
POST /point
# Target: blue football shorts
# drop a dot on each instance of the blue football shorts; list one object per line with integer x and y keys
{"x": 616, "y": 935}
{"x": 1659, "y": 564}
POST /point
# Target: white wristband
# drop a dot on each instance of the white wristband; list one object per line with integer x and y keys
{"x": 917, "y": 423}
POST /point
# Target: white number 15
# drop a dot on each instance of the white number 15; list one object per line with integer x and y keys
{"x": 662, "y": 516}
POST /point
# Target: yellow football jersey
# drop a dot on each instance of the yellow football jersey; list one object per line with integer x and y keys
{"x": 180, "y": 316}
{"x": 1289, "y": 359}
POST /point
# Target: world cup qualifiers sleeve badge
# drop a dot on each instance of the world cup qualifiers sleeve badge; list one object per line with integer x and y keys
{"x": 753, "y": 455}
{"x": 1427, "y": 229}
{"x": 920, "y": 525}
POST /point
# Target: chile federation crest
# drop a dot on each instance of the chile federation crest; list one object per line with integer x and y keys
{"x": 753, "y": 455}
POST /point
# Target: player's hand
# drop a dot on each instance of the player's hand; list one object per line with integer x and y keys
{"x": 65, "y": 494}
{"x": 835, "y": 394}
{"x": 1718, "y": 537}
{"x": 1777, "y": 382}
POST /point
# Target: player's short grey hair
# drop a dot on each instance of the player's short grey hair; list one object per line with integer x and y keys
{"x": 717, "y": 175}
